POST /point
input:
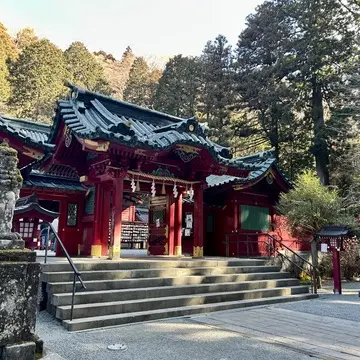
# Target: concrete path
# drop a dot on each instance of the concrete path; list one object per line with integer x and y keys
{"x": 176, "y": 339}
{"x": 328, "y": 327}
{"x": 324, "y": 328}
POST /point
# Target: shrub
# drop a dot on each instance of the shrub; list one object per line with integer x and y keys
{"x": 350, "y": 259}
{"x": 325, "y": 266}
{"x": 309, "y": 206}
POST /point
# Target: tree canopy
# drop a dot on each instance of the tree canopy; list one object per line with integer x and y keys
{"x": 83, "y": 68}
{"x": 37, "y": 79}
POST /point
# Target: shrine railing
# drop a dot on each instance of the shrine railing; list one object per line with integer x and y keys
{"x": 76, "y": 273}
{"x": 268, "y": 244}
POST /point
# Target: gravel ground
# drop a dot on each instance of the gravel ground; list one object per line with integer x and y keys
{"x": 345, "y": 306}
{"x": 176, "y": 339}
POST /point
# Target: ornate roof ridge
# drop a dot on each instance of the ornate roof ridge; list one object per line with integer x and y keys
{"x": 80, "y": 93}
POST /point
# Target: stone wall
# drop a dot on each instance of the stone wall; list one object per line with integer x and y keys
{"x": 19, "y": 279}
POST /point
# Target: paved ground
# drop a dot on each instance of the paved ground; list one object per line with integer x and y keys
{"x": 177, "y": 339}
{"x": 325, "y": 328}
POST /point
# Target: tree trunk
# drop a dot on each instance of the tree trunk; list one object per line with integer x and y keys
{"x": 320, "y": 148}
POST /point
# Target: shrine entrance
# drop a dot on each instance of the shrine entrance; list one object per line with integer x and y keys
{"x": 120, "y": 150}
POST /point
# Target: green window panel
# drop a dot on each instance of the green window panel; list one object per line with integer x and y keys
{"x": 254, "y": 218}
{"x": 90, "y": 202}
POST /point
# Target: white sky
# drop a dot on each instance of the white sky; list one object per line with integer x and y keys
{"x": 158, "y": 27}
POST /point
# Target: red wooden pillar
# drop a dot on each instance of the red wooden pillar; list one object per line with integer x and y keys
{"x": 61, "y": 227}
{"x": 198, "y": 248}
{"x": 171, "y": 225}
{"x": 96, "y": 246}
{"x": 118, "y": 191}
{"x": 336, "y": 271}
{"x": 105, "y": 214}
{"x": 178, "y": 226}
{"x": 236, "y": 216}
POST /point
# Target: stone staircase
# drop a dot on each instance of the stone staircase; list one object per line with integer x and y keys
{"x": 133, "y": 291}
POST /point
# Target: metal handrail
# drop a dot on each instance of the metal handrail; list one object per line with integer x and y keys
{"x": 76, "y": 272}
{"x": 314, "y": 271}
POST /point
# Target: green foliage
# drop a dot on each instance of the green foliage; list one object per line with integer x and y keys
{"x": 291, "y": 59}
{"x": 83, "y": 68}
{"x": 37, "y": 79}
{"x": 116, "y": 72}
{"x": 325, "y": 266}
{"x": 216, "y": 88}
{"x": 25, "y": 37}
{"x": 178, "y": 86}
{"x": 7, "y": 53}
{"x": 350, "y": 259}
{"x": 140, "y": 87}
{"x": 309, "y": 206}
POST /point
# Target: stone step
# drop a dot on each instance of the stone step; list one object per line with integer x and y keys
{"x": 146, "y": 273}
{"x": 118, "y": 307}
{"x": 98, "y": 285}
{"x": 151, "y": 315}
{"x": 150, "y": 264}
{"x": 166, "y": 291}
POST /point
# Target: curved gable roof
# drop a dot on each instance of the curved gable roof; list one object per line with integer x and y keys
{"x": 262, "y": 161}
{"x": 27, "y": 131}
{"x": 94, "y": 116}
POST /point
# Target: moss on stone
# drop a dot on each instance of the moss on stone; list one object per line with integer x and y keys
{"x": 13, "y": 255}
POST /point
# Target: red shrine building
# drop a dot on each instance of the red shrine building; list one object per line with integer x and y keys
{"x": 109, "y": 168}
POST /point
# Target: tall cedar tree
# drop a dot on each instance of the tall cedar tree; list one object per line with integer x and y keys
{"x": 316, "y": 39}
{"x": 7, "y": 53}
{"x": 127, "y": 61}
{"x": 216, "y": 90}
{"x": 116, "y": 71}
{"x": 140, "y": 86}
{"x": 85, "y": 71}
{"x": 268, "y": 103}
{"x": 25, "y": 37}
{"x": 37, "y": 79}
{"x": 178, "y": 87}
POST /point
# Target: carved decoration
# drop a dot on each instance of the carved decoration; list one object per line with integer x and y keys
{"x": 186, "y": 156}
{"x": 162, "y": 172}
{"x": 269, "y": 179}
{"x": 67, "y": 137}
{"x": 34, "y": 154}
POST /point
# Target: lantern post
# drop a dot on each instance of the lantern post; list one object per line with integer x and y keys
{"x": 332, "y": 238}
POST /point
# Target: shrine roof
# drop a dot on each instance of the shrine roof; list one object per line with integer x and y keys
{"x": 31, "y": 203}
{"x": 334, "y": 231}
{"x": 37, "y": 179}
{"x": 261, "y": 161}
{"x": 98, "y": 117}
{"x": 27, "y": 131}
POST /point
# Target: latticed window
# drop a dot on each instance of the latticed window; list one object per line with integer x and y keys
{"x": 254, "y": 218}
{"x": 72, "y": 212}
{"x": 26, "y": 229}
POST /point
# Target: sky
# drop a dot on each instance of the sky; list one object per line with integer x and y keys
{"x": 150, "y": 27}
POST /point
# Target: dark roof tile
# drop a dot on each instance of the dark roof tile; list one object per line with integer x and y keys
{"x": 27, "y": 131}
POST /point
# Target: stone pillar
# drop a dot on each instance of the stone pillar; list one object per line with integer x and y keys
{"x": 19, "y": 281}
{"x": 198, "y": 248}
{"x": 178, "y": 226}
{"x": 19, "y": 274}
{"x": 117, "y": 201}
